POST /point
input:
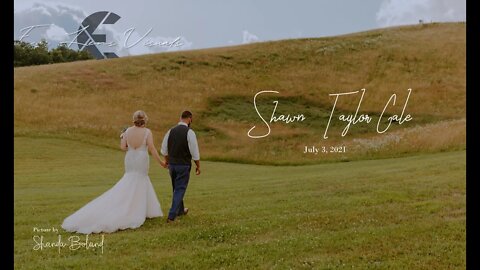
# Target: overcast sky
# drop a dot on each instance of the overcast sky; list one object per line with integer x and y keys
{"x": 214, "y": 23}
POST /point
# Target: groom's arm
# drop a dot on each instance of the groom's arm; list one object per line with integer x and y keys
{"x": 166, "y": 160}
{"x": 193, "y": 147}
{"x": 197, "y": 170}
{"x": 164, "y": 148}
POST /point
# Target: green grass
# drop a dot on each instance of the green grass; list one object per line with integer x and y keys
{"x": 399, "y": 213}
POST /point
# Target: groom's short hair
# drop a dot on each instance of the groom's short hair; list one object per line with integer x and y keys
{"x": 186, "y": 115}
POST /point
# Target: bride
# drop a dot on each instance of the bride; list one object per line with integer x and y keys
{"x": 132, "y": 199}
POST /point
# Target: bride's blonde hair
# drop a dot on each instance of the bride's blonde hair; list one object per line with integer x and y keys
{"x": 139, "y": 118}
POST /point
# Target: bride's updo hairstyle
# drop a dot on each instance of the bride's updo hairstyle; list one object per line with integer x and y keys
{"x": 139, "y": 118}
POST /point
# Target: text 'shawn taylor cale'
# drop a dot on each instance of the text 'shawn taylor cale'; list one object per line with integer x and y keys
{"x": 349, "y": 119}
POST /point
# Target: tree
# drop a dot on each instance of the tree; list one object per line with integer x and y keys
{"x": 41, "y": 54}
{"x": 26, "y": 54}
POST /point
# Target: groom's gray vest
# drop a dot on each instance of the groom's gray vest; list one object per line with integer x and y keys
{"x": 178, "y": 152}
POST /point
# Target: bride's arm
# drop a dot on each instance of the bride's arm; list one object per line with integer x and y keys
{"x": 153, "y": 150}
{"x": 123, "y": 142}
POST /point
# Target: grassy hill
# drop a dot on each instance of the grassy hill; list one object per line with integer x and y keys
{"x": 92, "y": 101}
{"x": 402, "y": 213}
{"x": 407, "y": 211}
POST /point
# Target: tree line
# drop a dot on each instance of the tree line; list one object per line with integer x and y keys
{"x": 27, "y": 54}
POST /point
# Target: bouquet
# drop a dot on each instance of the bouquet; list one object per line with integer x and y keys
{"x": 123, "y": 132}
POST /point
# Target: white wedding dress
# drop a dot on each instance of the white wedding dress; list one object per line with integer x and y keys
{"x": 125, "y": 205}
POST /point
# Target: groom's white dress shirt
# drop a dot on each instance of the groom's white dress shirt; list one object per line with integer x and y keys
{"x": 192, "y": 143}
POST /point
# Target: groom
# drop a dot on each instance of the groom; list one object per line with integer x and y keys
{"x": 179, "y": 147}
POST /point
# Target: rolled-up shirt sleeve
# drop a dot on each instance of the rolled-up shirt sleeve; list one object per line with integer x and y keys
{"x": 193, "y": 145}
{"x": 164, "y": 149}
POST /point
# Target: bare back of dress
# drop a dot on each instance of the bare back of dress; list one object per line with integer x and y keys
{"x": 137, "y": 159}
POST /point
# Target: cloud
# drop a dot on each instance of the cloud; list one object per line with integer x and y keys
{"x": 57, "y": 22}
{"x": 249, "y": 37}
{"x": 53, "y": 19}
{"x": 57, "y": 33}
{"x": 401, "y": 12}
